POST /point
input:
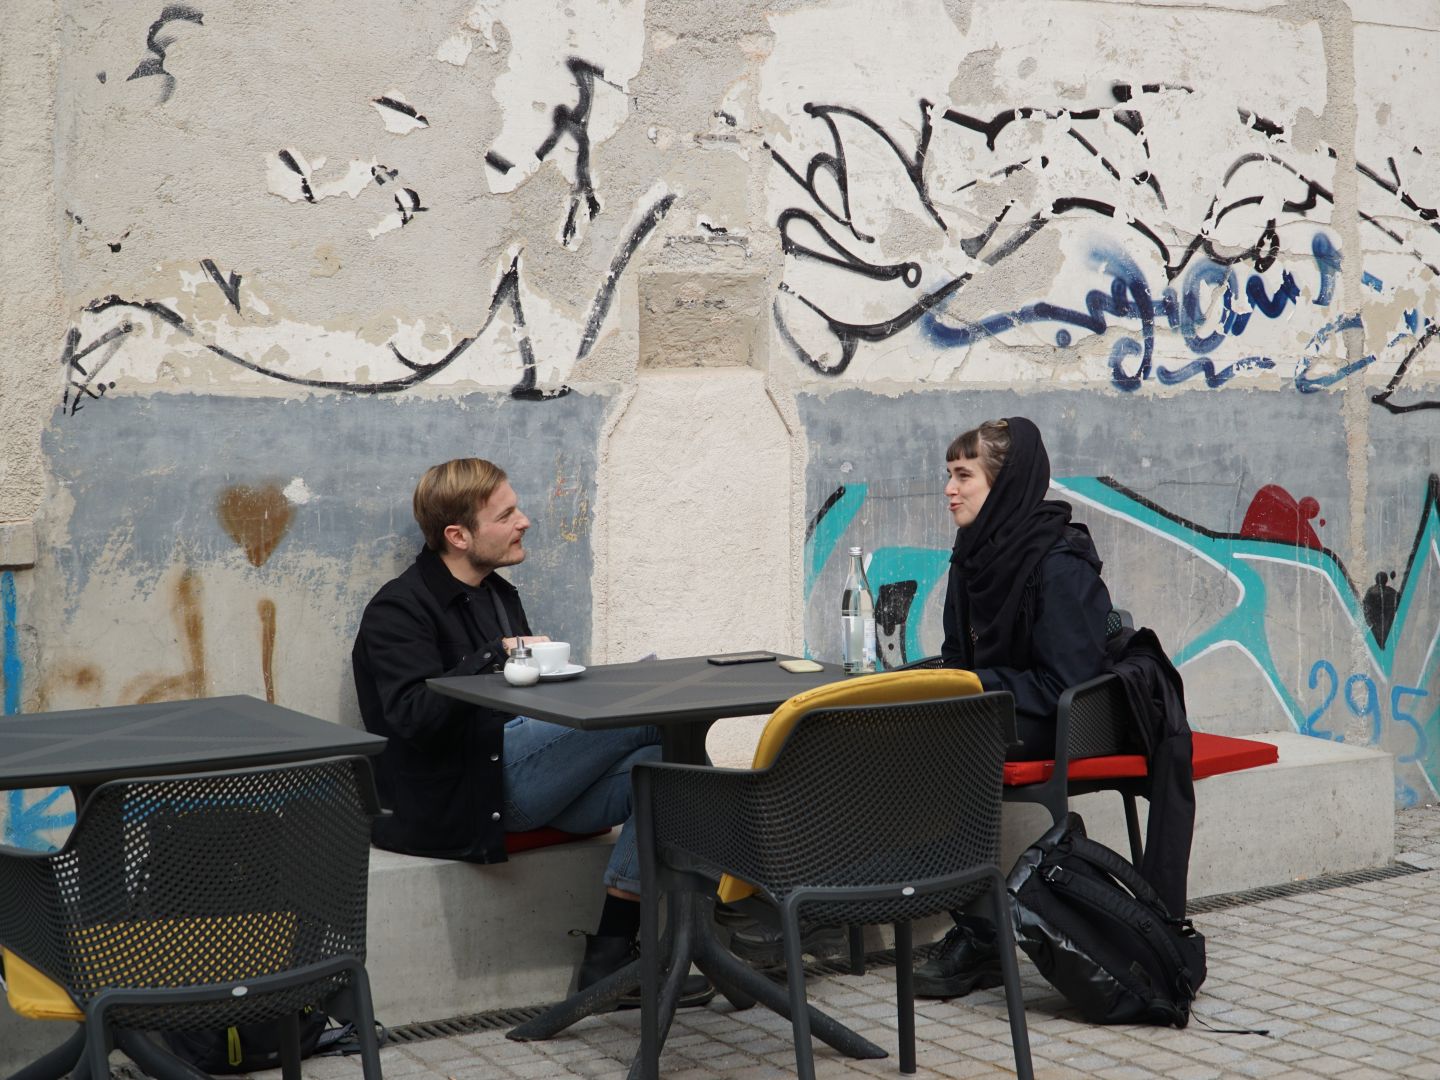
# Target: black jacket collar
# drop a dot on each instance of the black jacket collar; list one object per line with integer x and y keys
{"x": 445, "y": 586}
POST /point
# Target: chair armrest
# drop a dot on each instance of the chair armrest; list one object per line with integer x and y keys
{"x": 1093, "y": 720}
{"x": 700, "y": 813}
{"x": 924, "y": 663}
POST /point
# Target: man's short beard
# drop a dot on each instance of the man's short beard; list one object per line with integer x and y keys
{"x": 485, "y": 567}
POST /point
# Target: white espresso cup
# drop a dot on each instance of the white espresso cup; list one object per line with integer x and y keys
{"x": 552, "y": 656}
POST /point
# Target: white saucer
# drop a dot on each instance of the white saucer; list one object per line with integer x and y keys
{"x": 569, "y": 671}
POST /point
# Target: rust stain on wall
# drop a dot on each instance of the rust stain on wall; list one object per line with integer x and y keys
{"x": 267, "y": 646}
{"x": 255, "y": 518}
{"x": 86, "y": 679}
{"x": 190, "y": 623}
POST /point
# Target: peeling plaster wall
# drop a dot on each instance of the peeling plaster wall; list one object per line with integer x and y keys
{"x": 717, "y": 285}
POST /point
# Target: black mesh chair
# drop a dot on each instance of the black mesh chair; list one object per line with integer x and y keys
{"x": 201, "y": 902}
{"x": 869, "y": 814}
{"x": 1091, "y": 720}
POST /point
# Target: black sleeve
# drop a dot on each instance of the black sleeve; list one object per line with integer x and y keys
{"x": 401, "y": 647}
{"x": 1067, "y": 641}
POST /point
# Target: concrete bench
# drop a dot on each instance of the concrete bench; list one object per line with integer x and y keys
{"x": 1322, "y": 808}
{"x": 448, "y": 938}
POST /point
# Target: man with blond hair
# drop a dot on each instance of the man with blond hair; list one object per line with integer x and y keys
{"x": 455, "y": 777}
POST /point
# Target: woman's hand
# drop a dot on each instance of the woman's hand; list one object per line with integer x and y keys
{"x": 511, "y": 642}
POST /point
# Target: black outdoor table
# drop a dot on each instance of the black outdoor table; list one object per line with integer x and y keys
{"x": 82, "y": 748}
{"x": 682, "y": 698}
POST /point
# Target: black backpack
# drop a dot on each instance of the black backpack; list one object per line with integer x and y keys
{"x": 1100, "y": 934}
{"x": 246, "y": 1048}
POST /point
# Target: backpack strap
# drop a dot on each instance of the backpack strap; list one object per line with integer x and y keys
{"x": 1123, "y": 871}
{"x": 1121, "y": 908}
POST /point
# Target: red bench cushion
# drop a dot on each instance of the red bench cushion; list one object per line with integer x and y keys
{"x": 1211, "y": 756}
{"x": 516, "y": 842}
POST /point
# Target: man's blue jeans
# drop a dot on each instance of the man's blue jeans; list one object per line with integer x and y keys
{"x": 578, "y": 781}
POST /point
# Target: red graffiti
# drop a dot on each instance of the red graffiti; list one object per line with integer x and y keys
{"x": 1275, "y": 515}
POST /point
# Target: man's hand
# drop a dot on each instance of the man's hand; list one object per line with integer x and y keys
{"x": 511, "y": 642}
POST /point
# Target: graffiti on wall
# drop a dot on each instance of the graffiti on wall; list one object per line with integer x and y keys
{"x": 1363, "y": 667}
{"x": 563, "y": 92}
{"x": 963, "y": 198}
{"x": 163, "y": 34}
{"x": 93, "y": 343}
{"x": 31, "y": 818}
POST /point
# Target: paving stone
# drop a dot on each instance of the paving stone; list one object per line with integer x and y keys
{"x": 1344, "y": 979}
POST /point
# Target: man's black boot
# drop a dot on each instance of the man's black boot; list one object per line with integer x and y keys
{"x": 605, "y": 955}
{"x": 964, "y": 960}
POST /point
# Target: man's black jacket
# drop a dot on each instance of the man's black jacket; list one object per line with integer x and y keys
{"x": 440, "y": 772}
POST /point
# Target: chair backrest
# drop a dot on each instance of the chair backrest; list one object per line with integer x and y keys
{"x": 876, "y": 793}
{"x": 892, "y": 687}
{"x": 186, "y": 881}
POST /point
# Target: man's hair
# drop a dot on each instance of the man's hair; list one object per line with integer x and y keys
{"x": 452, "y": 494}
{"x": 989, "y": 443}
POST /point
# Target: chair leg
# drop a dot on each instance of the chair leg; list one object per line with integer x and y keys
{"x": 290, "y": 1047}
{"x": 58, "y": 1062}
{"x": 649, "y": 1057}
{"x": 97, "y": 1043}
{"x": 857, "y": 949}
{"x": 905, "y": 994}
{"x": 795, "y": 983}
{"x": 1132, "y": 824}
{"x": 1014, "y": 999}
{"x": 364, "y": 1024}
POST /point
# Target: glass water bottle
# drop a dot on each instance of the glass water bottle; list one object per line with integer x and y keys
{"x": 857, "y": 618}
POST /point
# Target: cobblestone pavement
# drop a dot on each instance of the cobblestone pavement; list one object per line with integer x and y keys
{"x": 1347, "y": 981}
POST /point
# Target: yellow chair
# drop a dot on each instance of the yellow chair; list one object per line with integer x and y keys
{"x": 889, "y": 688}
{"x": 877, "y": 801}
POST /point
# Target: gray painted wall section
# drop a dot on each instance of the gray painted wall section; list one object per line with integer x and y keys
{"x": 137, "y": 485}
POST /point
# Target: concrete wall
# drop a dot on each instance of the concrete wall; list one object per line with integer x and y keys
{"x": 717, "y": 283}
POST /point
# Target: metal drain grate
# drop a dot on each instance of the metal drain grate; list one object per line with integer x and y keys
{"x": 1324, "y": 883}
{"x": 459, "y": 1025}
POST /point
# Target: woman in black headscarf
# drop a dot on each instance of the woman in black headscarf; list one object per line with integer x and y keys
{"x": 1025, "y": 610}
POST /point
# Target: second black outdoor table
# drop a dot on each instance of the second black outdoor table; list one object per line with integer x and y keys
{"x": 82, "y": 748}
{"x": 682, "y": 698}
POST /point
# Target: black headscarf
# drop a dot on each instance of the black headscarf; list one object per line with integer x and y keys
{"x": 996, "y": 554}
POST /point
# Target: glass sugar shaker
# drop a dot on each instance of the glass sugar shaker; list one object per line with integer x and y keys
{"x": 522, "y": 669}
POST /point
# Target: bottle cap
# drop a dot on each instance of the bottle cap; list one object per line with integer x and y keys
{"x": 856, "y": 550}
{"x": 520, "y": 652}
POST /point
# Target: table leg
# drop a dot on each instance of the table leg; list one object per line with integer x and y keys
{"x": 724, "y": 968}
{"x": 600, "y": 997}
{"x": 734, "y": 978}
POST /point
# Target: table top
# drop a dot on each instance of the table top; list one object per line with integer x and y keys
{"x": 662, "y": 692}
{"x": 90, "y": 746}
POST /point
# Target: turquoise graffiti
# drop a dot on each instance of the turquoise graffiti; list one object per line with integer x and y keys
{"x": 31, "y": 819}
{"x": 1373, "y": 660}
